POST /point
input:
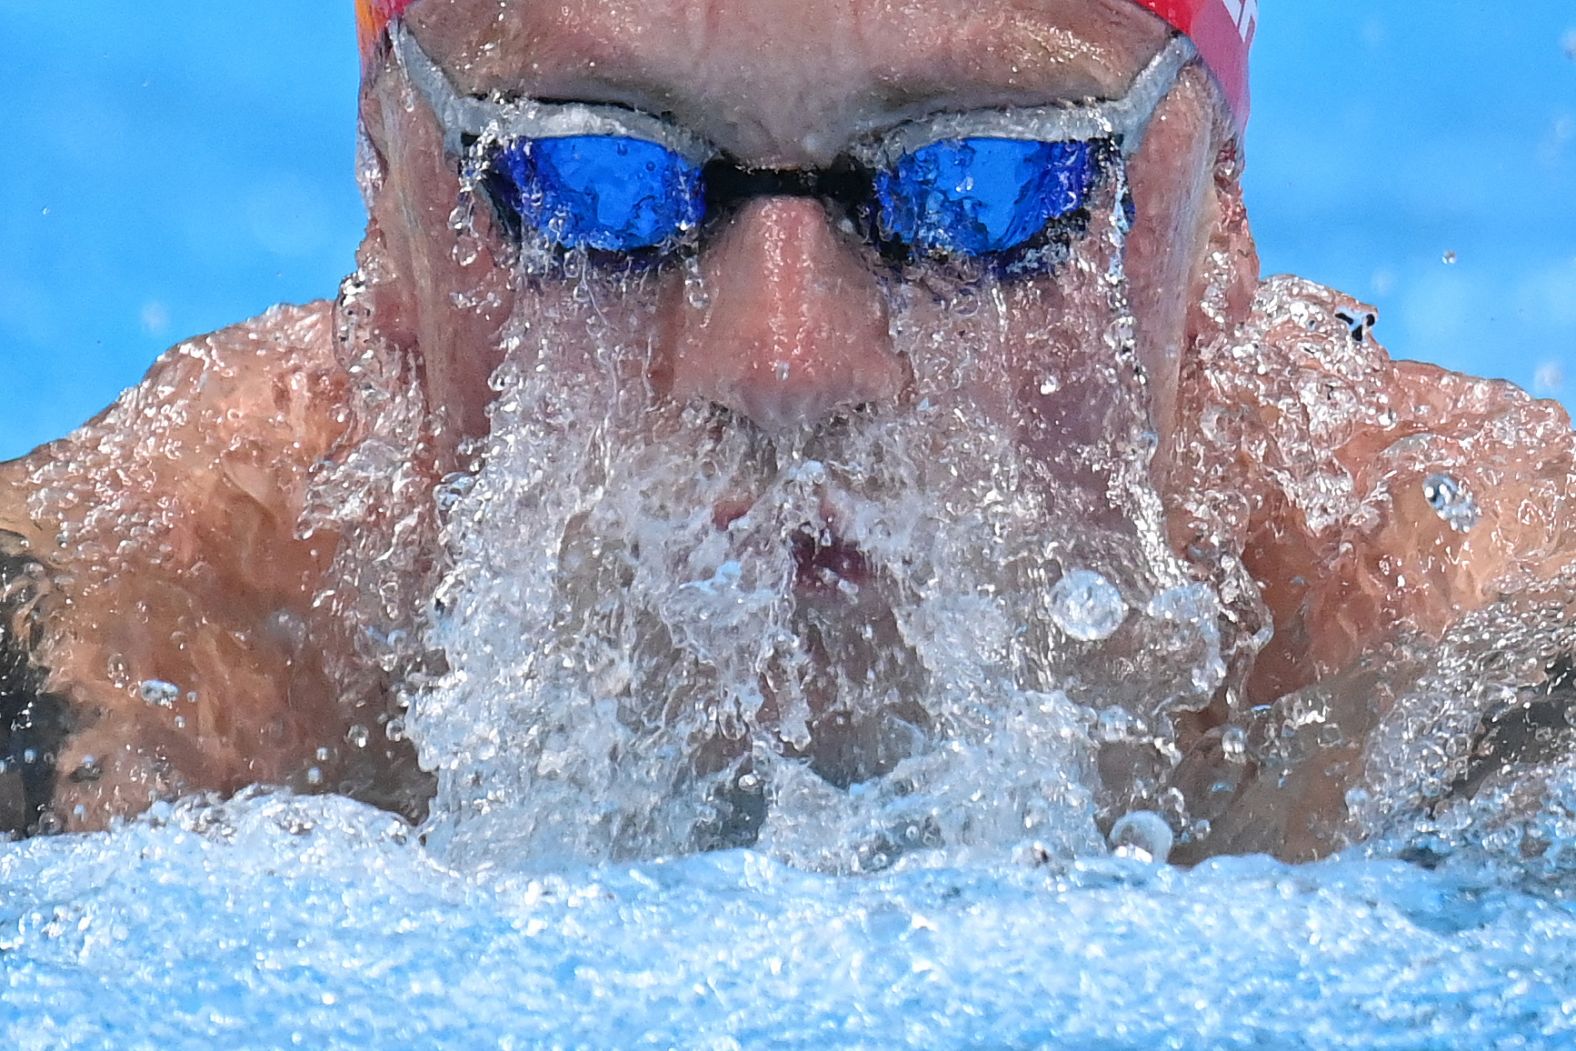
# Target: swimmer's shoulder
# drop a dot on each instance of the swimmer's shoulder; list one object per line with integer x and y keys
{"x": 157, "y": 535}
{"x": 273, "y": 382}
{"x": 33, "y": 719}
{"x": 248, "y": 408}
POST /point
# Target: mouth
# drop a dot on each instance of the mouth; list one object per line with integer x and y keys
{"x": 825, "y": 564}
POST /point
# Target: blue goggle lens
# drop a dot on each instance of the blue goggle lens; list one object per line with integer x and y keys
{"x": 960, "y": 197}
{"x": 980, "y": 196}
{"x": 608, "y": 192}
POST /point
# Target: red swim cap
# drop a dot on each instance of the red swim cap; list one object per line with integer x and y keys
{"x": 1222, "y": 30}
{"x": 372, "y": 17}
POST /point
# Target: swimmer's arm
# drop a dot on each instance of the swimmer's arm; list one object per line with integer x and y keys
{"x": 33, "y": 721}
{"x": 194, "y": 481}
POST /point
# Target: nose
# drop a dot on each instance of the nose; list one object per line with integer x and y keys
{"x": 792, "y": 326}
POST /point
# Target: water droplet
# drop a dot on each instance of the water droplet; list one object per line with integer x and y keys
{"x": 966, "y": 303}
{"x": 1050, "y": 385}
{"x": 1086, "y": 606}
{"x": 696, "y": 293}
{"x": 314, "y": 776}
{"x": 87, "y": 771}
{"x": 357, "y": 736}
{"x": 1234, "y": 743}
{"x": 1450, "y": 258}
{"x": 158, "y": 692}
{"x": 1114, "y": 725}
{"x": 452, "y": 490}
{"x": 395, "y": 730}
{"x": 1451, "y": 502}
{"x": 1142, "y": 835}
{"x": 467, "y": 247}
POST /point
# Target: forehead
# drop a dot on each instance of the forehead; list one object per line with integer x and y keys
{"x": 790, "y": 81}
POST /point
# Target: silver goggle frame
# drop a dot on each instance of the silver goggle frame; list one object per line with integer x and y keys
{"x": 1123, "y": 120}
{"x": 497, "y": 120}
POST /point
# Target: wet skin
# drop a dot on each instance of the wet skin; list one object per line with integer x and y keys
{"x": 216, "y": 451}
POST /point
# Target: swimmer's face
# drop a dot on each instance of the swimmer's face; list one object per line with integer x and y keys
{"x": 780, "y": 311}
{"x": 789, "y": 487}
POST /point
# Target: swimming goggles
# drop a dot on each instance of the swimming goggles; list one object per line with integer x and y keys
{"x": 615, "y": 180}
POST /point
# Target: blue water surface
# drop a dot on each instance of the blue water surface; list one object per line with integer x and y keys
{"x": 278, "y": 922}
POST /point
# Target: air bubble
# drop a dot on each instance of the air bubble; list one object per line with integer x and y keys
{"x": 1087, "y": 606}
{"x": 158, "y": 692}
{"x": 1142, "y": 835}
{"x": 1451, "y": 502}
{"x": 1114, "y": 725}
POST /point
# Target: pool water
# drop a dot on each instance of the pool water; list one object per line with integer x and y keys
{"x": 274, "y": 921}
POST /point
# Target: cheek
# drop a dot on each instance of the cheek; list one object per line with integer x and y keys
{"x": 1035, "y": 360}
{"x": 593, "y": 325}
{"x": 1171, "y": 184}
{"x": 443, "y": 286}
{"x": 1069, "y": 370}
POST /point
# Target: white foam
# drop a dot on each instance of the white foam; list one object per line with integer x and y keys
{"x": 281, "y": 922}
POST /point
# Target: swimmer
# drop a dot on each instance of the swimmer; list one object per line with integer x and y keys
{"x": 221, "y": 580}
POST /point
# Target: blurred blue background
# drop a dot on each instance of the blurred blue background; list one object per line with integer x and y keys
{"x": 167, "y": 168}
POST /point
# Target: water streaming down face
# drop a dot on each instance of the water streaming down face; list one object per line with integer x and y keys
{"x": 624, "y": 673}
{"x": 666, "y": 629}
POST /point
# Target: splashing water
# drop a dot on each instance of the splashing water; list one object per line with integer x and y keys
{"x": 1086, "y": 606}
{"x": 280, "y": 922}
{"x": 1451, "y": 502}
{"x": 665, "y": 630}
